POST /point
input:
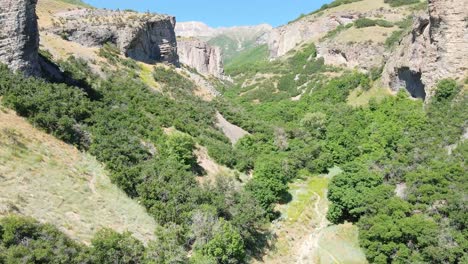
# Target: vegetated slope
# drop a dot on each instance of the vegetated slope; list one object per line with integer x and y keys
{"x": 309, "y": 121}
{"x": 121, "y": 121}
{"x": 300, "y": 123}
{"x": 47, "y": 179}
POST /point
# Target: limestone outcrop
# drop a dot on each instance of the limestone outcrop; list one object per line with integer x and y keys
{"x": 363, "y": 55}
{"x": 144, "y": 37}
{"x": 19, "y": 36}
{"x": 197, "y": 54}
{"x": 283, "y": 39}
{"x": 436, "y": 48}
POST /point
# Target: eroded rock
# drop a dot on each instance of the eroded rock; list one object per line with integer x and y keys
{"x": 197, "y": 54}
{"x": 365, "y": 55}
{"x": 436, "y": 48}
{"x": 144, "y": 37}
{"x": 19, "y": 36}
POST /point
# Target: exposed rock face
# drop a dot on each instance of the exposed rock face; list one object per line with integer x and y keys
{"x": 437, "y": 48}
{"x": 231, "y": 40}
{"x": 361, "y": 55}
{"x": 285, "y": 38}
{"x": 145, "y": 37}
{"x": 206, "y": 59}
{"x": 19, "y": 36}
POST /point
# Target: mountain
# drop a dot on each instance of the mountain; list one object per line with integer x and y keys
{"x": 231, "y": 40}
{"x": 337, "y": 138}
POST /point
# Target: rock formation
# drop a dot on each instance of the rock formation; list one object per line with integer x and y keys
{"x": 19, "y": 36}
{"x": 144, "y": 37}
{"x": 285, "y": 38}
{"x": 197, "y": 54}
{"x": 437, "y": 48}
{"x": 361, "y": 55}
{"x": 231, "y": 40}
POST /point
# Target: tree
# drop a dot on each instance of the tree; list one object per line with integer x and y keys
{"x": 446, "y": 90}
{"x": 180, "y": 147}
{"x": 226, "y": 246}
{"x": 111, "y": 247}
{"x": 315, "y": 123}
{"x": 168, "y": 247}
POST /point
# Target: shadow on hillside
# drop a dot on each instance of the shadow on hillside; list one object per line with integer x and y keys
{"x": 52, "y": 73}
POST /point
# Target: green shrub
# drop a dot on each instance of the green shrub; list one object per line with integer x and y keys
{"x": 226, "y": 246}
{"x": 396, "y": 3}
{"x": 446, "y": 90}
{"x": 110, "y": 247}
{"x": 24, "y": 239}
{"x": 367, "y": 22}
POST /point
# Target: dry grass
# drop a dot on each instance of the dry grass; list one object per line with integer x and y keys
{"x": 361, "y": 6}
{"x": 211, "y": 167}
{"x": 359, "y": 97}
{"x": 53, "y": 182}
{"x": 47, "y": 8}
{"x": 375, "y": 34}
{"x": 62, "y": 49}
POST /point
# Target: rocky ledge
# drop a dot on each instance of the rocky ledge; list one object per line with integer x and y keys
{"x": 19, "y": 36}
{"x": 145, "y": 37}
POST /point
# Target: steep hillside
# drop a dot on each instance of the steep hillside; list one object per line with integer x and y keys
{"x": 305, "y": 157}
{"x": 53, "y": 182}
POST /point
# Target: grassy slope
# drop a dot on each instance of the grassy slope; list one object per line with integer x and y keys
{"x": 234, "y": 45}
{"x": 248, "y": 56}
{"x": 76, "y": 2}
{"x": 45, "y": 178}
{"x": 46, "y": 8}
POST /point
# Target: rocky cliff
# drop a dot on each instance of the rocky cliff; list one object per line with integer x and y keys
{"x": 19, "y": 36}
{"x": 285, "y": 38}
{"x": 436, "y": 48}
{"x": 144, "y": 37}
{"x": 338, "y": 41}
{"x": 231, "y": 40}
{"x": 197, "y": 54}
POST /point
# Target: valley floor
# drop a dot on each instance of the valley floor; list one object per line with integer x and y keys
{"x": 303, "y": 235}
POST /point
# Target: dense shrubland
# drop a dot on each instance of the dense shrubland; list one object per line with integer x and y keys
{"x": 121, "y": 122}
{"x": 397, "y": 141}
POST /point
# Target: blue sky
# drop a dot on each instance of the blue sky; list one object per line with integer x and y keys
{"x": 218, "y": 13}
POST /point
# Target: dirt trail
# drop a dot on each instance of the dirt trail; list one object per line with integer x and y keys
{"x": 310, "y": 247}
{"x": 305, "y": 236}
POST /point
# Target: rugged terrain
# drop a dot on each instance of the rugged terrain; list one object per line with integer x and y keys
{"x": 200, "y": 55}
{"x": 231, "y": 40}
{"x": 312, "y": 153}
{"x": 148, "y": 38}
{"x": 436, "y": 48}
{"x": 19, "y": 36}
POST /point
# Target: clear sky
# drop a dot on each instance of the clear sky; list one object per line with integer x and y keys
{"x": 218, "y": 13}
